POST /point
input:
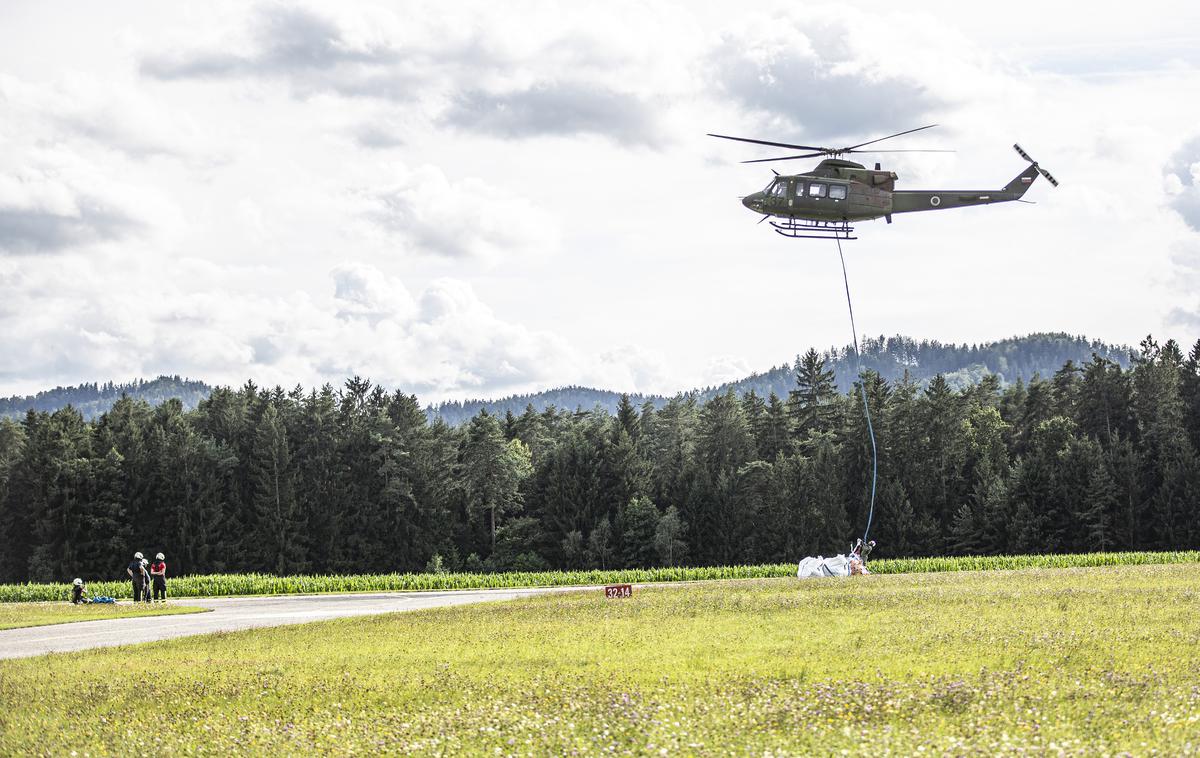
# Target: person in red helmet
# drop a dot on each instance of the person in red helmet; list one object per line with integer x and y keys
{"x": 158, "y": 575}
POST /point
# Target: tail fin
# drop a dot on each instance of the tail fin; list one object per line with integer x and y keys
{"x": 1021, "y": 183}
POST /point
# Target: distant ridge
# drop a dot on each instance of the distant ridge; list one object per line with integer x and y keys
{"x": 93, "y": 400}
{"x": 1016, "y": 358}
{"x": 1011, "y": 359}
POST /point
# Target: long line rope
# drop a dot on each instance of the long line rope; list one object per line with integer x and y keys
{"x": 866, "y": 406}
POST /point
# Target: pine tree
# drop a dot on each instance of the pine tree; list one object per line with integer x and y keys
{"x": 58, "y": 447}
{"x": 992, "y": 495}
{"x": 574, "y": 553}
{"x": 1099, "y": 503}
{"x": 754, "y": 409}
{"x": 940, "y": 488}
{"x": 637, "y": 523}
{"x": 774, "y": 438}
{"x": 103, "y": 530}
{"x": 668, "y": 538}
{"x": 492, "y": 470}
{"x": 531, "y": 431}
{"x": 1105, "y": 404}
{"x": 1064, "y": 390}
{"x": 627, "y": 418}
{"x": 811, "y": 404}
{"x": 1168, "y": 461}
{"x": 600, "y": 544}
{"x": 1038, "y": 407}
{"x": 1189, "y": 390}
{"x": 967, "y": 532}
{"x": 13, "y": 516}
{"x": 276, "y": 513}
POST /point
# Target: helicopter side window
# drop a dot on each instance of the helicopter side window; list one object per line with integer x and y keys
{"x": 816, "y": 190}
{"x": 799, "y": 189}
{"x": 837, "y": 192}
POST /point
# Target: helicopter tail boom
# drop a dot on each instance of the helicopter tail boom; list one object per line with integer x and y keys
{"x": 908, "y": 201}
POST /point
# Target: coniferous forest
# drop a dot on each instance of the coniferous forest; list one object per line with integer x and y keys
{"x": 356, "y": 479}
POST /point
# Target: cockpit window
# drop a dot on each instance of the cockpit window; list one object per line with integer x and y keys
{"x": 837, "y": 192}
{"x": 779, "y": 188}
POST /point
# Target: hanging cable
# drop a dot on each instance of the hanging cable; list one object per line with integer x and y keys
{"x": 866, "y": 406}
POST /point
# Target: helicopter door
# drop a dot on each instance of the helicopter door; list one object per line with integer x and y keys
{"x": 777, "y": 196}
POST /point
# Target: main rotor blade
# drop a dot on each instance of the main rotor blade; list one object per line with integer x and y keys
{"x": 881, "y": 139}
{"x": 764, "y": 142}
{"x": 786, "y": 158}
{"x": 915, "y": 150}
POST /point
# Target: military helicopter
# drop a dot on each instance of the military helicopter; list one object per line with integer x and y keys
{"x": 824, "y": 202}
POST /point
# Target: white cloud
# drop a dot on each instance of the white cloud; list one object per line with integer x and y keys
{"x": 112, "y": 115}
{"x": 1182, "y": 179}
{"x": 466, "y": 219}
{"x": 56, "y": 201}
{"x": 361, "y": 291}
{"x": 727, "y": 368}
{"x": 557, "y": 109}
{"x": 487, "y": 74}
{"x": 444, "y": 343}
{"x": 634, "y": 368}
{"x": 809, "y": 78}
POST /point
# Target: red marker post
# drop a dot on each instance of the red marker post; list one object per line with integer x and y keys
{"x": 618, "y": 591}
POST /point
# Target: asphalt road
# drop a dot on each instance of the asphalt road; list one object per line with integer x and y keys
{"x": 231, "y": 614}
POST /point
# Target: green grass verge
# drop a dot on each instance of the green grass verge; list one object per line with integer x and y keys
{"x": 16, "y": 615}
{"x": 223, "y": 585}
{"x": 1091, "y": 661}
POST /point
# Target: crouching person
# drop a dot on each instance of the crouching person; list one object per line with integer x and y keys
{"x": 79, "y": 593}
{"x": 158, "y": 573}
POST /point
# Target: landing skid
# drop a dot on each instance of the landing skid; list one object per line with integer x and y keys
{"x": 799, "y": 228}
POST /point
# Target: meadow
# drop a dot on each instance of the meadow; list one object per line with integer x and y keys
{"x": 16, "y": 615}
{"x": 1084, "y": 661}
{"x": 224, "y": 585}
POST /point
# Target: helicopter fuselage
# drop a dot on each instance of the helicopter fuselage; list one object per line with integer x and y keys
{"x": 839, "y": 190}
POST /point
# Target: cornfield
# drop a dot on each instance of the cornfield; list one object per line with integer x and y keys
{"x": 224, "y": 585}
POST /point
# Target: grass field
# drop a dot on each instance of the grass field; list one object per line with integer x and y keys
{"x": 16, "y": 615}
{"x": 221, "y": 585}
{"x": 1078, "y": 661}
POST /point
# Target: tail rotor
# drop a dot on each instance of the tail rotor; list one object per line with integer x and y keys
{"x": 1041, "y": 170}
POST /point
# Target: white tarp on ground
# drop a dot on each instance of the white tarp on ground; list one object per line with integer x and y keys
{"x": 836, "y": 566}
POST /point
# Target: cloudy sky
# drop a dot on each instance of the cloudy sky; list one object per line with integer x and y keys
{"x": 473, "y": 199}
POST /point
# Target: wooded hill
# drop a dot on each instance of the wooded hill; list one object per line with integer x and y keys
{"x": 1095, "y": 456}
{"x": 93, "y": 399}
{"x": 1018, "y": 358}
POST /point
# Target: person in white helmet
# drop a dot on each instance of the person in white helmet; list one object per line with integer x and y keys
{"x": 158, "y": 575}
{"x": 137, "y": 574}
{"x": 145, "y": 580}
{"x": 79, "y": 592}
